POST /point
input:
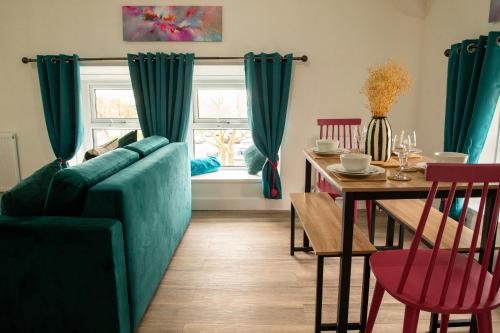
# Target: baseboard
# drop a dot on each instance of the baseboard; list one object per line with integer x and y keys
{"x": 239, "y": 204}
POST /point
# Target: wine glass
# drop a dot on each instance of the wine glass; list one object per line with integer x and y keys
{"x": 401, "y": 148}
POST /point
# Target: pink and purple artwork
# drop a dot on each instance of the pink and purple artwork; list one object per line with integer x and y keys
{"x": 172, "y": 23}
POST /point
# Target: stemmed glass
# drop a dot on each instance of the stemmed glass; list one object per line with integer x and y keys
{"x": 360, "y": 138}
{"x": 401, "y": 148}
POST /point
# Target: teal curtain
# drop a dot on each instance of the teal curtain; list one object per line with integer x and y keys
{"x": 473, "y": 89}
{"x": 59, "y": 77}
{"x": 162, "y": 85}
{"x": 267, "y": 78}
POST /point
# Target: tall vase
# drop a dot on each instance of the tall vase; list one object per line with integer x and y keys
{"x": 379, "y": 139}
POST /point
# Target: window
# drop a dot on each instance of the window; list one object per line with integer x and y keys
{"x": 108, "y": 105}
{"x": 491, "y": 149}
{"x": 220, "y": 121}
{"x": 490, "y": 153}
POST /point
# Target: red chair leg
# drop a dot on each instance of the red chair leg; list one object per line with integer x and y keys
{"x": 378, "y": 294}
{"x": 355, "y": 213}
{"x": 411, "y": 320}
{"x": 484, "y": 324}
{"x": 445, "y": 318}
{"x": 369, "y": 213}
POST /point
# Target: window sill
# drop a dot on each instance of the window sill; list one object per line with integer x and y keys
{"x": 226, "y": 176}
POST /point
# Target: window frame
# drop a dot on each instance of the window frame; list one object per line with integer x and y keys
{"x": 107, "y": 85}
{"x": 215, "y": 82}
{"x": 91, "y": 79}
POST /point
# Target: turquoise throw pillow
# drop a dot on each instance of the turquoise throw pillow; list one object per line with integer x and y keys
{"x": 204, "y": 165}
{"x": 254, "y": 160}
{"x": 28, "y": 197}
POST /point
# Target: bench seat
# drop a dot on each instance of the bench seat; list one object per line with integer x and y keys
{"x": 322, "y": 222}
{"x": 408, "y": 212}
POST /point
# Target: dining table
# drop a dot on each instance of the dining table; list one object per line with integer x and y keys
{"x": 380, "y": 187}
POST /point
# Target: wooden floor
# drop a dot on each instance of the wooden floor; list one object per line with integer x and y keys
{"x": 233, "y": 273}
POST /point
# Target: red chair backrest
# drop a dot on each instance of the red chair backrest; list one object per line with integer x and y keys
{"x": 462, "y": 176}
{"x": 340, "y": 129}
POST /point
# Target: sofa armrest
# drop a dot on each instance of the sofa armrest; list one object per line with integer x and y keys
{"x": 62, "y": 274}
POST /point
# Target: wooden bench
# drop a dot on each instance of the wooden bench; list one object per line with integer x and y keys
{"x": 321, "y": 219}
{"x": 407, "y": 212}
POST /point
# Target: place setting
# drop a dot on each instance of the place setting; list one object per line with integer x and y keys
{"x": 327, "y": 148}
{"x": 355, "y": 167}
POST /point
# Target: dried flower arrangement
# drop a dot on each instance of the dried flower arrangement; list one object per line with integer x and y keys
{"x": 383, "y": 86}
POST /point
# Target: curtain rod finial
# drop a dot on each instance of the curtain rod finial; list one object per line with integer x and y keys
{"x": 25, "y": 60}
{"x": 304, "y": 58}
{"x": 447, "y": 53}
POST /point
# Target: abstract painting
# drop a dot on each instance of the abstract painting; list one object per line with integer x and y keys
{"x": 172, "y": 23}
{"x": 495, "y": 11}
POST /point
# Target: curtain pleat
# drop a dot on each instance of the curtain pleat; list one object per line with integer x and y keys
{"x": 162, "y": 87}
{"x": 267, "y": 78}
{"x": 59, "y": 78}
{"x": 473, "y": 89}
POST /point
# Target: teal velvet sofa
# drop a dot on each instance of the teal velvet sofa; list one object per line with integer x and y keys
{"x": 93, "y": 262}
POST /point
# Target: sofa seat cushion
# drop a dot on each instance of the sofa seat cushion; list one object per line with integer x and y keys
{"x": 69, "y": 187}
{"x": 28, "y": 197}
{"x": 148, "y": 145}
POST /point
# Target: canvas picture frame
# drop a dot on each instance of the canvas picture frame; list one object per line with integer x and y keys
{"x": 172, "y": 23}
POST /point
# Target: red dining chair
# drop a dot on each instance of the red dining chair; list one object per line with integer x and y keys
{"x": 444, "y": 281}
{"x": 342, "y": 130}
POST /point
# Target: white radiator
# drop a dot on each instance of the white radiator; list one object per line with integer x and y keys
{"x": 9, "y": 161}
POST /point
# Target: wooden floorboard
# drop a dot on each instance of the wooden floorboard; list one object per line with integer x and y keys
{"x": 233, "y": 273}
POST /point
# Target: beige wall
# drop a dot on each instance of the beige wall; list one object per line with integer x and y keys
{"x": 341, "y": 38}
{"x": 447, "y": 22}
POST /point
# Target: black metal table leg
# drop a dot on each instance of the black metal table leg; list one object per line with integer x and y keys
{"x": 365, "y": 293}
{"x": 401, "y": 240}
{"x": 319, "y": 294}
{"x": 433, "y": 324}
{"x": 292, "y": 230}
{"x": 389, "y": 238}
{"x": 308, "y": 176}
{"x": 307, "y": 189}
{"x": 373, "y": 220}
{"x": 345, "y": 263}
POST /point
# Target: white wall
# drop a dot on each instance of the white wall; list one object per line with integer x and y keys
{"x": 341, "y": 38}
{"x": 447, "y": 22}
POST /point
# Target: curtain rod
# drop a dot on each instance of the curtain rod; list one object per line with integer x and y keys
{"x": 471, "y": 47}
{"x": 26, "y": 60}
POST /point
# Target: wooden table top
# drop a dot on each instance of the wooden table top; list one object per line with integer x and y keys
{"x": 417, "y": 182}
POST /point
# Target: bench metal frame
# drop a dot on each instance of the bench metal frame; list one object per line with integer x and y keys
{"x": 319, "y": 326}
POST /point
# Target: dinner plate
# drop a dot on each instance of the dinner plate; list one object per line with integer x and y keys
{"x": 337, "y": 151}
{"x": 371, "y": 170}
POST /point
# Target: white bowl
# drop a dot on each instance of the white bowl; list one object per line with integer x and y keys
{"x": 326, "y": 145}
{"x": 450, "y": 157}
{"x": 355, "y": 162}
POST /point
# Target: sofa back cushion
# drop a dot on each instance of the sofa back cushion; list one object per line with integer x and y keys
{"x": 28, "y": 197}
{"x": 148, "y": 145}
{"x": 68, "y": 190}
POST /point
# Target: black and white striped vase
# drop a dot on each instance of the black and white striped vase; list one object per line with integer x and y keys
{"x": 379, "y": 139}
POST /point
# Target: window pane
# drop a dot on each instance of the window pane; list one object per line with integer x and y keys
{"x": 115, "y": 103}
{"x": 102, "y": 136}
{"x": 222, "y": 103}
{"x": 227, "y": 144}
